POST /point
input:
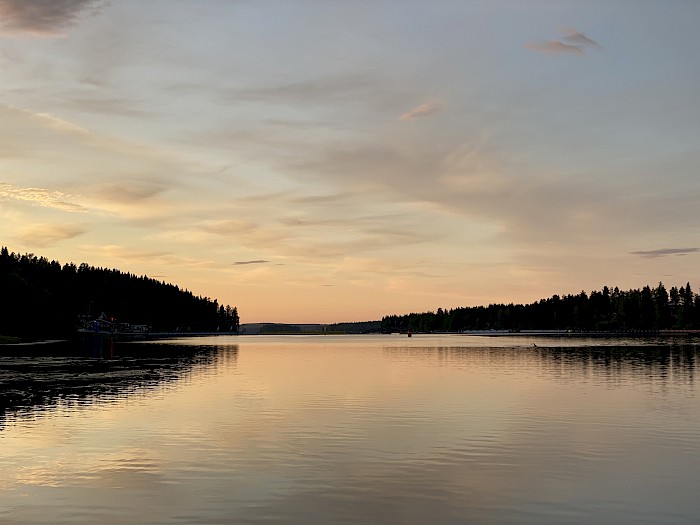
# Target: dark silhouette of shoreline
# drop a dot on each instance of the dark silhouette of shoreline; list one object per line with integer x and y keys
{"x": 631, "y": 312}
{"x": 43, "y": 299}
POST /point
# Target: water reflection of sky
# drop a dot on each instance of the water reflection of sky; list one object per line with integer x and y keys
{"x": 352, "y": 430}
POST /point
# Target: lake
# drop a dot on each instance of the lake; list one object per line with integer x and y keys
{"x": 354, "y": 429}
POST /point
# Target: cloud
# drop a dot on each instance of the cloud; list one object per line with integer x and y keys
{"x": 324, "y": 227}
{"x": 555, "y": 47}
{"x": 44, "y": 17}
{"x": 664, "y": 252}
{"x": 259, "y": 261}
{"x": 130, "y": 192}
{"x": 228, "y": 227}
{"x": 39, "y": 196}
{"x": 491, "y": 188}
{"x": 52, "y": 121}
{"x": 108, "y": 106}
{"x": 43, "y": 235}
{"x": 575, "y": 43}
{"x": 424, "y": 110}
{"x": 128, "y": 257}
{"x": 575, "y": 37}
{"x": 331, "y": 88}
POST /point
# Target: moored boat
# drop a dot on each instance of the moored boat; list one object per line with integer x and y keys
{"x": 105, "y": 326}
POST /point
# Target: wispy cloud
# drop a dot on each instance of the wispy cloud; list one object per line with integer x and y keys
{"x": 125, "y": 256}
{"x": 258, "y": 261}
{"x": 424, "y": 110}
{"x": 39, "y": 197}
{"x": 555, "y": 47}
{"x": 43, "y": 235}
{"x": 477, "y": 180}
{"x": 665, "y": 252}
{"x": 44, "y": 17}
{"x": 108, "y": 106}
{"x": 228, "y": 227}
{"x": 577, "y": 38}
{"x": 52, "y": 121}
{"x": 132, "y": 191}
{"x": 146, "y": 201}
{"x": 574, "y": 43}
{"x": 330, "y": 88}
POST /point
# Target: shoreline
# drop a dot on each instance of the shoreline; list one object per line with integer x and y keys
{"x": 484, "y": 333}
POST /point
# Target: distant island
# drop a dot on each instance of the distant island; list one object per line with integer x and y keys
{"x": 44, "y": 299}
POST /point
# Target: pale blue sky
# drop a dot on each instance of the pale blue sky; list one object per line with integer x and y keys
{"x": 368, "y": 157}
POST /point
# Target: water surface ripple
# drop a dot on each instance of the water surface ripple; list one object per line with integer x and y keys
{"x": 354, "y": 429}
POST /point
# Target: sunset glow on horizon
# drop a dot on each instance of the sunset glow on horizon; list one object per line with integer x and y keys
{"x": 319, "y": 162}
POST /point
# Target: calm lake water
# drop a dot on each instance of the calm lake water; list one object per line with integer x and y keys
{"x": 354, "y": 429}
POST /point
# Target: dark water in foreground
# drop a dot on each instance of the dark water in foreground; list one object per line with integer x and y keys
{"x": 350, "y": 429}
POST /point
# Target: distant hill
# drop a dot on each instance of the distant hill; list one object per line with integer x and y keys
{"x": 335, "y": 328}
{"x": 42, "y": 298}
{"x": 278, "y": 328}
{"x": 361, "y": 327}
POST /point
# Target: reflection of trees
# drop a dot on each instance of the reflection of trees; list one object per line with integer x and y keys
{"x": 32, "y": 384}
{"x": 611, "y": 364}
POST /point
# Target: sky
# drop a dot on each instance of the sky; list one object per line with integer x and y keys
{"x": 324, "y": 161}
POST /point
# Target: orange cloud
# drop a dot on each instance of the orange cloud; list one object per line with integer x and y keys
{"x": 47, "y": 234}
{"x": 555, "y": 47}
{"x": 39, "y": 197}
{"x": 424, "y": 110}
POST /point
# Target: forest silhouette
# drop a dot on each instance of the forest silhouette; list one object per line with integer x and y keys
{"x": 645, "y": 309}
{"x": 41, "y": 298}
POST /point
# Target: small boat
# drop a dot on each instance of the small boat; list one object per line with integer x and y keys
{"x": 105, "y": 326}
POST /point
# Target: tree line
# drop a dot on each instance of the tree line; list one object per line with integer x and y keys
{"x": 644, "y": 309}
{"x": 42, "y": 298}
